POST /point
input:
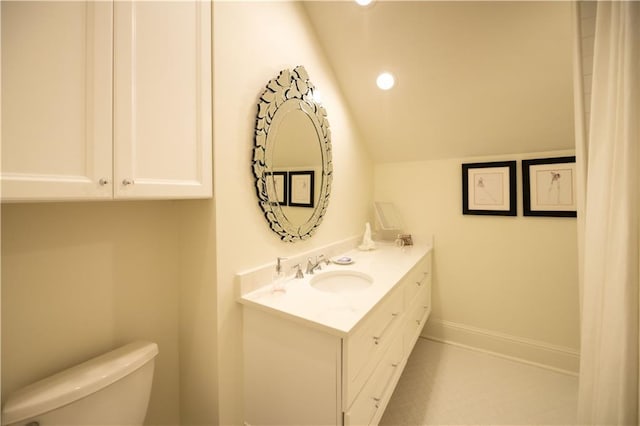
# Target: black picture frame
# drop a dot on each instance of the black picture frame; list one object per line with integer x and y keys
{"x": 280, "y": 187}
{"x": 301, "y": 188}
{"x": 493, "y": 191}
{"x": 549, "y": 187}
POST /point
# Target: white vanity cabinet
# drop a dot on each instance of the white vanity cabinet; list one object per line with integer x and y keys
{"x": 297, "y": 373}
{"x": 105, "y": 100}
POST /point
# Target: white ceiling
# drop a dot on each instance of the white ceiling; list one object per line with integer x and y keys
{"x": 473, "y": 78}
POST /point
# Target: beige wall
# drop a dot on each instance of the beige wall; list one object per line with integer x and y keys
{"x": 253, "y": 41}
{"x": 198, "y": 313}
{"x": 504, "y": 284}
{"x": 79, "y": 279}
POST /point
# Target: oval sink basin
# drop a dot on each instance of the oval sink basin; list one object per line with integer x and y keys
{"x": 341, "y": 281}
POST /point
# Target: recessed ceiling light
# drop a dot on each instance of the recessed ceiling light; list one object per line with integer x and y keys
{"x": 385, "y": 81}
{"x": 364, "y": 2}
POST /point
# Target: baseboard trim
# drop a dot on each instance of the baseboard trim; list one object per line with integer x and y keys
{"x": 557, "y": 358}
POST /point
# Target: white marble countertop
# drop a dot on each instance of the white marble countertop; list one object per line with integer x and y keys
{"x": 339, "y": 313}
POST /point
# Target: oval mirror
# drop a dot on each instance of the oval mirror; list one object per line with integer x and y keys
{"x": 292, "y": 156}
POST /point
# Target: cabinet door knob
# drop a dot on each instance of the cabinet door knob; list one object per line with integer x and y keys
{"x": 126, "y": 182}
{"x": 103, "y": 181}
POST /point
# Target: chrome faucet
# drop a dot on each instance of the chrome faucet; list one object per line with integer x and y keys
{"x": 311, "y": 266}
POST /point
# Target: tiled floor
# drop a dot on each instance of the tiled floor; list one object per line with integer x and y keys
{"x": 448, "y": 385}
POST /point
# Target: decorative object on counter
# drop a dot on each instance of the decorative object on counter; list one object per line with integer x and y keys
{"x": 404, "y": 240}
{"x": 292, "y": 134}
{"x": 489, "y": 188}
{"x": 388, "y": 220}
{"x": 344, "y": 260}
{"x": 549, "y": 187}
{"x": 367, "y": 242}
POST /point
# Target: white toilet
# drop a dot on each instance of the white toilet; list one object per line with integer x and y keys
{"x": 112, "y": 389}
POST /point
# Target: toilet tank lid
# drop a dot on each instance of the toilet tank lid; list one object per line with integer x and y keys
{"x": 77, "y": 382}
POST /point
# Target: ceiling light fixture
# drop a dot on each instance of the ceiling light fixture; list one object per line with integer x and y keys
{"x": 364, "y": 2}
{"x": 385, "y": 81}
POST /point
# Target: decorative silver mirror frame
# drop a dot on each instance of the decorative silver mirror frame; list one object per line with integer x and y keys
{"x": 290, "y": 87}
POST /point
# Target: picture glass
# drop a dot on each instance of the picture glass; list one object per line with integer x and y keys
{"x": 553, "y": 187}
{"x": 490, "y": 189}
{"x": 549, "y": 187}
{"x": 301, "y": 189}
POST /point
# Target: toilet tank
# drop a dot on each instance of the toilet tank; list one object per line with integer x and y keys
{"x": 111, "y": 389}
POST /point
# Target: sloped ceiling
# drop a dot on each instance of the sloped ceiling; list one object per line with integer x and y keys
{"x": 473, "y": 78}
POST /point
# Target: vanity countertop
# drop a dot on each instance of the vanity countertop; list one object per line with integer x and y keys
{"x": 339, "y": 313}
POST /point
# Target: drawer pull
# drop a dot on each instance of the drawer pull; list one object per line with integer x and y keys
{"x": 384, "y": 390}
{"x": 424, "y": 276}
{"x": 424, "y": 308}
{"x": 376, "y": 402}
{"x": 378, "y": 339}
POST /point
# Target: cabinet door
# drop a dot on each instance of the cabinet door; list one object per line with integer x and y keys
{"x": 162, "y": 99}
{"x": 56, "y": 100}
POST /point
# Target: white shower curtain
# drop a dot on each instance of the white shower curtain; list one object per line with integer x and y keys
{"x": 608, "y": 156}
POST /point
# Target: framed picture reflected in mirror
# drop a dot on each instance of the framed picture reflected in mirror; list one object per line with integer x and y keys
{"x": 301, "y": 188}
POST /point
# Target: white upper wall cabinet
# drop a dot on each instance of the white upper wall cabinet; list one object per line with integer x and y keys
{"x": 162, "y": 99}
{"x": 106, "y": 100}
{"x": 56, "y": 100}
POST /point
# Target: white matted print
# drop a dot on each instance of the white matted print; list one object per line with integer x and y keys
{"x": 277, "y": 187}
{"x": 301, "y": 188}
{"x": 549, "y": 187}
{"x": 489, "y": 188}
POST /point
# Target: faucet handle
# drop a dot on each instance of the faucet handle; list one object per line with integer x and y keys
{"x": 324, "y": 258}
{"x": 310, "y": 266}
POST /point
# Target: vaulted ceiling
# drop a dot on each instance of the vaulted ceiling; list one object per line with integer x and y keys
{"x": 472, "y": 78}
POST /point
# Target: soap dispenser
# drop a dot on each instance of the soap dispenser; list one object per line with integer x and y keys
{"x": 278, "y": 277}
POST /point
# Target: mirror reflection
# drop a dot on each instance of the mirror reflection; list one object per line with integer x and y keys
{"x": 297, "y": 149}
{"x": 292, "y": 156}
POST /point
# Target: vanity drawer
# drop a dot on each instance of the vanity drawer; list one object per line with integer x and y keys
{"x": 369, "y": 406}
{"x": 416, "y": 317}
{"x": 417, "y": 279}
{"x": 363, "y": 350}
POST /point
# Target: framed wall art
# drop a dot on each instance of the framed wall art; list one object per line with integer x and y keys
{"x": 301, "y": 185}
{"x": 489, "y": 188}
{"x": 277, "y": 183}
{"x": 549, "y": 187}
